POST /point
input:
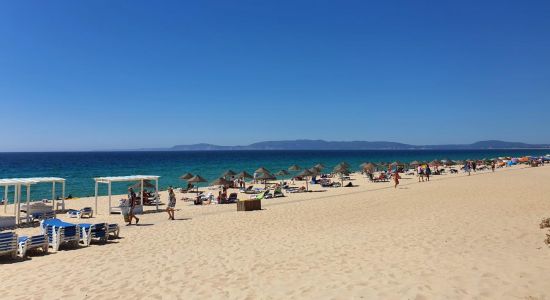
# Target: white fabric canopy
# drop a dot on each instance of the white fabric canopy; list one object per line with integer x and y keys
{"x": 27, "y": 182}
{"x": 110, "y": 179}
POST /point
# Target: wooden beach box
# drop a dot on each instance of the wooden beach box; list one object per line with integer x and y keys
{"x": 248, "y": 205}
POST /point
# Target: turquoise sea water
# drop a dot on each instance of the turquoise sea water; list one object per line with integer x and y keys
{"x": 79, "y": 168}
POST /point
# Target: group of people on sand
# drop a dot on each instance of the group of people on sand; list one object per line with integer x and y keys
{"x": 133, "y": 200}
{"x": 423, "y": 171}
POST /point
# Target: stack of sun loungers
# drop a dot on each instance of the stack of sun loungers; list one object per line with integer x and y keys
{"x": 8, "y": 243}
{"x": 26, "y": 243}
{"x": 98, "y": 231}
{"x": 54, "y": 233}
{"x": 60, "y": 232}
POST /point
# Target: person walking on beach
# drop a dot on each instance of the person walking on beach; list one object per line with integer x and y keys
{"x": 467, "y": 168}
{"x": 420, "y": 173}
{"x": 428, "y": 172}
{"x": 396, "y": 178}
{"x": 171, "y": 203}
{"x": 132, "y": 199}
{"x": 493, "y": 166}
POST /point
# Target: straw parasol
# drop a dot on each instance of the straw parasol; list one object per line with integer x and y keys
{"x": 435, "y": 162}
{"x": 146, "y": 184}
{"x": 228, "y": 173}
{"x": 364, "y": 164}
{"x": 306, "y": 173}
{"x": 319, "y": 166}
{"x": 196, "y": 179}
{"x": 343, "y": 164}
{"x": 369, "y": 167}
{"x": 186, "y": 176}
{"x": 415, "y": 163}
{"x": 220, "y": 181}
{"x": 282, "y": 173}
{"x": 448, "y": 162}
{"x": 265, "y": 177}
{"x": 314, "y": 171}
{"x": 319, "y": 170}
{"x": 294, "y": 168}
{"x": 244, "y": 174}
{"x": 262, "y": 170}
{"x": 342, "y": 171}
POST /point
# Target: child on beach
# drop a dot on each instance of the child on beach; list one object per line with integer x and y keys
{"x": 171, "y": 203}
{"x": 396, "y": 178}
{"x": 420, "y": 173}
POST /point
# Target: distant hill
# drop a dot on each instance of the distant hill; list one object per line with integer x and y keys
{"x": 351, "y": 145}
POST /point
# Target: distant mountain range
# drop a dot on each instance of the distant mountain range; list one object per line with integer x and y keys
{"x": 351, "y": 145}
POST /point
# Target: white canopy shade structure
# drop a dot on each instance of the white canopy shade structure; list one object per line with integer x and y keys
{"x": 110, "y": 180}
{"x": 17, "y": 183}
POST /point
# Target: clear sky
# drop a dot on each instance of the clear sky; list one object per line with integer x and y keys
{"x": 85, "y": 75}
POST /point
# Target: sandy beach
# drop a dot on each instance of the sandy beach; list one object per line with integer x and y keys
{"x": 456, "y": 237}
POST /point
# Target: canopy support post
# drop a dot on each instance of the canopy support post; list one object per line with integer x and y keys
{"x": 142, "y": 196}
{"x": 54, "y": 202}
{"x": 28, "y": 201}
{"x": 157, "y": 197}
{"x": 63, "y": 196}
{"x": 6, "y": 198}
{"x": 109, "y": 188}
{"x": 95, "y": 198}
{"x": 16, "y": 201}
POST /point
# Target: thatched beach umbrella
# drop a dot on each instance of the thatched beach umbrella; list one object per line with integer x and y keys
{"x": 435, "y": 162}
{"x": 186, "y": 176}
{"x": 364, "y": 164}
{"x": 262, "y": 170}
{"x": 146, "y": 184}
{"x": 314, "y": 171}
{"x": 294, "y": 168}
{"x": 319, "y": 166}
{"x": 306, "y": 173}
{"x": 228, "y": 173}
{"x": 220, "y": 181}
{"x": 282, "y": 173}
{"x": 369, "y": 167}
{"x": 448, "y": 162}
{"x": 343, "y": 164}
{"x": 414, "y": 163}
{"x": 196, "y": 179}
{"x": 265, "y": 177}
{"x": 342, "y": 171}
{"x": 243, "y": 175}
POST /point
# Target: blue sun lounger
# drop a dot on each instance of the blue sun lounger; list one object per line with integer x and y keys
{"x": 60, "y": 232}
{"x": 8, "y": 243}
{"x": 99, "y": 231}
{"x": 26, "y": 243}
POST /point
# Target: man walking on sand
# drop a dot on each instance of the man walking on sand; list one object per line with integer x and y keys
{"x": 132, "y": 199}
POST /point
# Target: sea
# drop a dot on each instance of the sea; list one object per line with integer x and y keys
{"x": 79, "y": 168}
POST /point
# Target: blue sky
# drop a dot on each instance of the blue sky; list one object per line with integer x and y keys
{"x": 127, "y": 74}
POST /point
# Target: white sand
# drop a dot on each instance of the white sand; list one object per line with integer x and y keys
{"x": 457, "y": 237}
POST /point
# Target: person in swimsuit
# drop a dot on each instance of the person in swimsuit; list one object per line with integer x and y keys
{"x": 132, "y": 199}
{"x": 171, "y": 203}
{"x": 396, "y": 178}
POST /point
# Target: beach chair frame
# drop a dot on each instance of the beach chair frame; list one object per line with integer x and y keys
{"x": 8, "y": 244}
{"x": 33, "y": 242}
